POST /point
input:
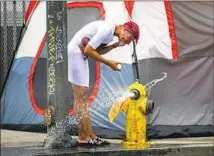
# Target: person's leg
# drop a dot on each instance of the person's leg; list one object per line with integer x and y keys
{"x": 78, "y": 75}
{"x": 91, "y": 132}
{"x": 83, "y": 117}
{"x": 81, "y": 112}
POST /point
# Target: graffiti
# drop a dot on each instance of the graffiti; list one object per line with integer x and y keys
{"x": 59, "y": 38}
{"x": 59, "y": 44}
{"x": 48, "y": 116}
{"x": 51, "y": 79}
{"x": 51, "y": 55}
{"x": 51, "y": 44}
{"x": 50, "y": 16}
{"x": 50, "y": 4}
{"x": 59, "y": 15}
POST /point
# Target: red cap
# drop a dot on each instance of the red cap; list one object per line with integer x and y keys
{"x": 133, "y": 28}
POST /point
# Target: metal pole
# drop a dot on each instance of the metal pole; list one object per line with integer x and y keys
{"x": 57, "y": 74}
{"x": 51, "y": 65}
{"x": 1, "y": 63}
{"x": 23, "y": 9}
{"x": 1, "y": 49}
{"x": 61, "y": 59}
{"x": 14, "y": 26}
{"x": 135, "y": 63}
{"x": 5, "y": 52}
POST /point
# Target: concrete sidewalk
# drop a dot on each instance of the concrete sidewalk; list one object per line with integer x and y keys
{"x": 17, "y": 138}
{"x": 14, "y": 143}
{"x": 20, "y": 139}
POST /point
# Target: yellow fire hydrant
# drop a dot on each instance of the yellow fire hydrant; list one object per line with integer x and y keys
{"x": 136, "y": 106}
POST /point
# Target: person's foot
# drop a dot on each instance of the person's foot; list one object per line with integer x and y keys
{"x": 90, "y": 143}
{"x": 92, "y": 134}
{"x": 98, "y": 139}
{"x": 103, "y": 142}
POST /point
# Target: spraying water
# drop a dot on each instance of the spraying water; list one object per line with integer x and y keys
{"x": 131, "y": 94}
{"x": 59, "y": 137}
{"x": 105, "y": 100}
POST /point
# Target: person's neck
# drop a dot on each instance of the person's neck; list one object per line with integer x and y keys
{"x": 117, "y": 30}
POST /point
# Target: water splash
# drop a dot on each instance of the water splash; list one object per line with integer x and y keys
{"x": 58, "y": 136}
{"x": 151, "y": 84}
{"x": 103, "y": 101}
{"x": 131, "y": 94}
{"x": 106, "y": 99}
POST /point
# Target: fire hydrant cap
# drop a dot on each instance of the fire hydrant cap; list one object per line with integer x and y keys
{"x": 137, "y": 80}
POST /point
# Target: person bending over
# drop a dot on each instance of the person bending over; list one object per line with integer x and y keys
{"x": 88, "y": 42}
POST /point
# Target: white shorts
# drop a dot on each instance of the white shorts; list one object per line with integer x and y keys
{"x": 78, "y": 69}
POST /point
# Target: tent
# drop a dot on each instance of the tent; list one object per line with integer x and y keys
{"x": 175, "y": 38}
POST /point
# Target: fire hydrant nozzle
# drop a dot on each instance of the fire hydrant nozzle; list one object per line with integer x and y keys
{"x": 149, "y": 106}
{"x": 134, "y": 94}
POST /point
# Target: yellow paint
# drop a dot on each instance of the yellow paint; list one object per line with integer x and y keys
{"x": 135, "y": 118}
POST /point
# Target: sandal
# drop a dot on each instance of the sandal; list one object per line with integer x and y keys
{"x": 89, "y": 143}
{"x": 103, "y": 142}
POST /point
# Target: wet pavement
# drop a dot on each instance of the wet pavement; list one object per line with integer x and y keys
{"x": 112, "y": 150}
{"x": 15, "y": 143}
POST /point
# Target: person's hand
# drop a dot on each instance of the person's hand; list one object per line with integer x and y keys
{"x": 113, "y": 65}
{"x": 83, "y": 43}
{"x": 82, "y": 48}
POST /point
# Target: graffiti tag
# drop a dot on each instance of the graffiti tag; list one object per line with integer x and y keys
{"x": 59, "y": 44}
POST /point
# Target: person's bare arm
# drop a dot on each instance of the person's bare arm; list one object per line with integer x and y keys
{"x": 93, "y": 44}
{"x": 93, "y": 53}
{"x": 104, "y": 50}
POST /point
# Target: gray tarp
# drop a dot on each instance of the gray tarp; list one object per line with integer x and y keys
{"x": 194, "y": 22}
{"x": 185, "y": 97}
